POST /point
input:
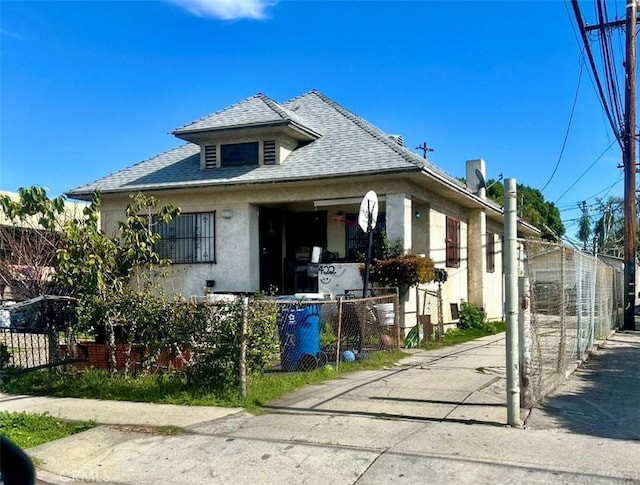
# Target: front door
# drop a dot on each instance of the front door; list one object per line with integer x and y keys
{"x": 271, "y": 240}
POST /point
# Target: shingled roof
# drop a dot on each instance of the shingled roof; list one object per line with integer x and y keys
{"x": 259, "y": 110}
{"x": 346, "y": 145}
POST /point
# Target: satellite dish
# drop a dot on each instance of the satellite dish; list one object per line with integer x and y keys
{"x": 368, "y": 212}
{"x": 482, "y": 183}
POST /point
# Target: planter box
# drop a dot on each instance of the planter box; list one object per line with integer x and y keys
{"x": 98, "y": 357}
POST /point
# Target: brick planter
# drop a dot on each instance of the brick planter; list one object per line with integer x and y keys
{"x": 98, "y": 356}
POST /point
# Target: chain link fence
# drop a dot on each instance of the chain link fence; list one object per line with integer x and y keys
{"x": 313, "y": 333}
{"x": 575, "y": 300}
{"x": 217, "y": 341}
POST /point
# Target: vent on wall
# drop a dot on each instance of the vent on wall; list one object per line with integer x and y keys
{"x": 210, "y": 156}
{"x": 269, "y": 152}
{"x": 398, "y": 139}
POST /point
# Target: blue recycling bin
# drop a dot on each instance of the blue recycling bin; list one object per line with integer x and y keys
{"x": 299, "y": 332}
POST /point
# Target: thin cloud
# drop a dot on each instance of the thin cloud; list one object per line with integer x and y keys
{"x": 13, "y": 35}
{"x": 227, "y": 9}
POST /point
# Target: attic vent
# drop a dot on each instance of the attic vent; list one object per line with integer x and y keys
{"x": 269, "y": 152}
{"x": 210, "y": 156}
{"x": 398, "y": 139}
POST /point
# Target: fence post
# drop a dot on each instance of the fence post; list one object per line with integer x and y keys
{"x": 339, "y": 332}
{"x": 243, "y": 346}
{"x": 524, "y": 328}
{"x": 418, "y": 317}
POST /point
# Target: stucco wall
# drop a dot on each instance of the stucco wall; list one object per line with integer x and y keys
{"x": 237, "y": 248}
{"x": 494, "y": 282}
{"x": 236, "y": 242}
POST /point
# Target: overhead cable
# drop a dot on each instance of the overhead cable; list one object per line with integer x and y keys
{"x": 566, "y": 134}
{"x": 603, "y": 99}
{"x": 587, "y": 169}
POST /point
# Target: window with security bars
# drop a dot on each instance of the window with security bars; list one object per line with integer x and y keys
{"x": 188, "y": 238}
{"x": 491, "y": 252}
{"x": 453, "y": 243}
{"x": 356, "y": 238}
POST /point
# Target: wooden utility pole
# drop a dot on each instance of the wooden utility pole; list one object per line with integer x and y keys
{"x": 629, "y": 160}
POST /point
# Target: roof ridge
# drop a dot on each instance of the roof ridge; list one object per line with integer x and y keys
{"x": 371, "y": 129}
{"x": 382, "y": 136}
{"x": 257, "y": 95}
{"x": 299, "y": 96}
{"x": 275, "y": 106}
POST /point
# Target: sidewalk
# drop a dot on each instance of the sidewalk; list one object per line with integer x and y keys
{"x": 438, "y": 416}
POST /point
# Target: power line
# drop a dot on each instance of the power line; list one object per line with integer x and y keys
{"x": 570, "y": 205}
{"x": 566, "y": 134}
{"x": 603, "y": 99}
{"x": 587, "y": 169}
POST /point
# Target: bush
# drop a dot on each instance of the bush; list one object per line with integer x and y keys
{"x": 5, "y": 355}
{"x": 405, "y": 270}
{"x": 471, "y": 316}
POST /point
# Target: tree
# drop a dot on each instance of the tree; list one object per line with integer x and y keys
{"x": 609, "y": 228}
{"x": 28, "y": 244}
{"x": 584, "y": 229}
{"x": 96, "y": 268}
{"x": 533, "y": 208}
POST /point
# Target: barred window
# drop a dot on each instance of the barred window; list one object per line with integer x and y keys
{"x": 188, "y": 238}
{"x": 453, "y": 243}
{"x": 491, "y": 252}
{"x": 356, "y": 239}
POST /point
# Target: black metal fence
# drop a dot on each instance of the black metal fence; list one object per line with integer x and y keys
{"x": 36, "y": 333}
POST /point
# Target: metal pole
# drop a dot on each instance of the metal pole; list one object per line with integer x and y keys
{"x": 511, "y": 303}
{"x": 630, "y": 223}
{"x": 243, "y": 347}
{"x": 524, "y": 335}
{"x": 367, "y": 263}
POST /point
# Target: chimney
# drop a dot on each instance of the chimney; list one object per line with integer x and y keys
{"x": 476, "y": 177}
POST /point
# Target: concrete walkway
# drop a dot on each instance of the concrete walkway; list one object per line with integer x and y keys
{"x": 437, "y": 416}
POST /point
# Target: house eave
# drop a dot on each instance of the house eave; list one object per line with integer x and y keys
{"x": 291, "y": 128}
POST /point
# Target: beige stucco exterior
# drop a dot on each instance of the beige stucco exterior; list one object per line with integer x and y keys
{"x": 414, "y": 216}
{"x": 316, "y": 160}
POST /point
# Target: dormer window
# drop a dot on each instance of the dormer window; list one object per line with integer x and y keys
{"x": 236, "y": 154}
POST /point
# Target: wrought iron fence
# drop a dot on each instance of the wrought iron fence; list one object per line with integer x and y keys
{"x": 38, "y": 333}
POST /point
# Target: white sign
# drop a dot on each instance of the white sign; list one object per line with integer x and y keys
{"x": 368, "y": 206}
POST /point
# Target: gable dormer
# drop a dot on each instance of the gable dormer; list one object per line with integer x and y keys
{"x": 256, "y": 131}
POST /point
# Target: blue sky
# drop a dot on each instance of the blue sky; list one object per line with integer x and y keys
{"x": 90, "y": 87}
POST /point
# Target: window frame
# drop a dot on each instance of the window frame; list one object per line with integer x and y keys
{"x": 452, "y": 242}
{"x": 169, "y": 246}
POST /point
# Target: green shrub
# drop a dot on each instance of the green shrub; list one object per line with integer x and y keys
{"x": 405, "y": 270}
{"x": 471, "y": 316}
{"x": 5, "y": 355}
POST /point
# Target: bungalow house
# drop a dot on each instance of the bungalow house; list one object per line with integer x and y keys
{"x": 261, "y": 184}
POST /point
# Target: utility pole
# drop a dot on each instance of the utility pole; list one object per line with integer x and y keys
{"x": 629, "y": 161}
{"x": 628, "y": 145}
